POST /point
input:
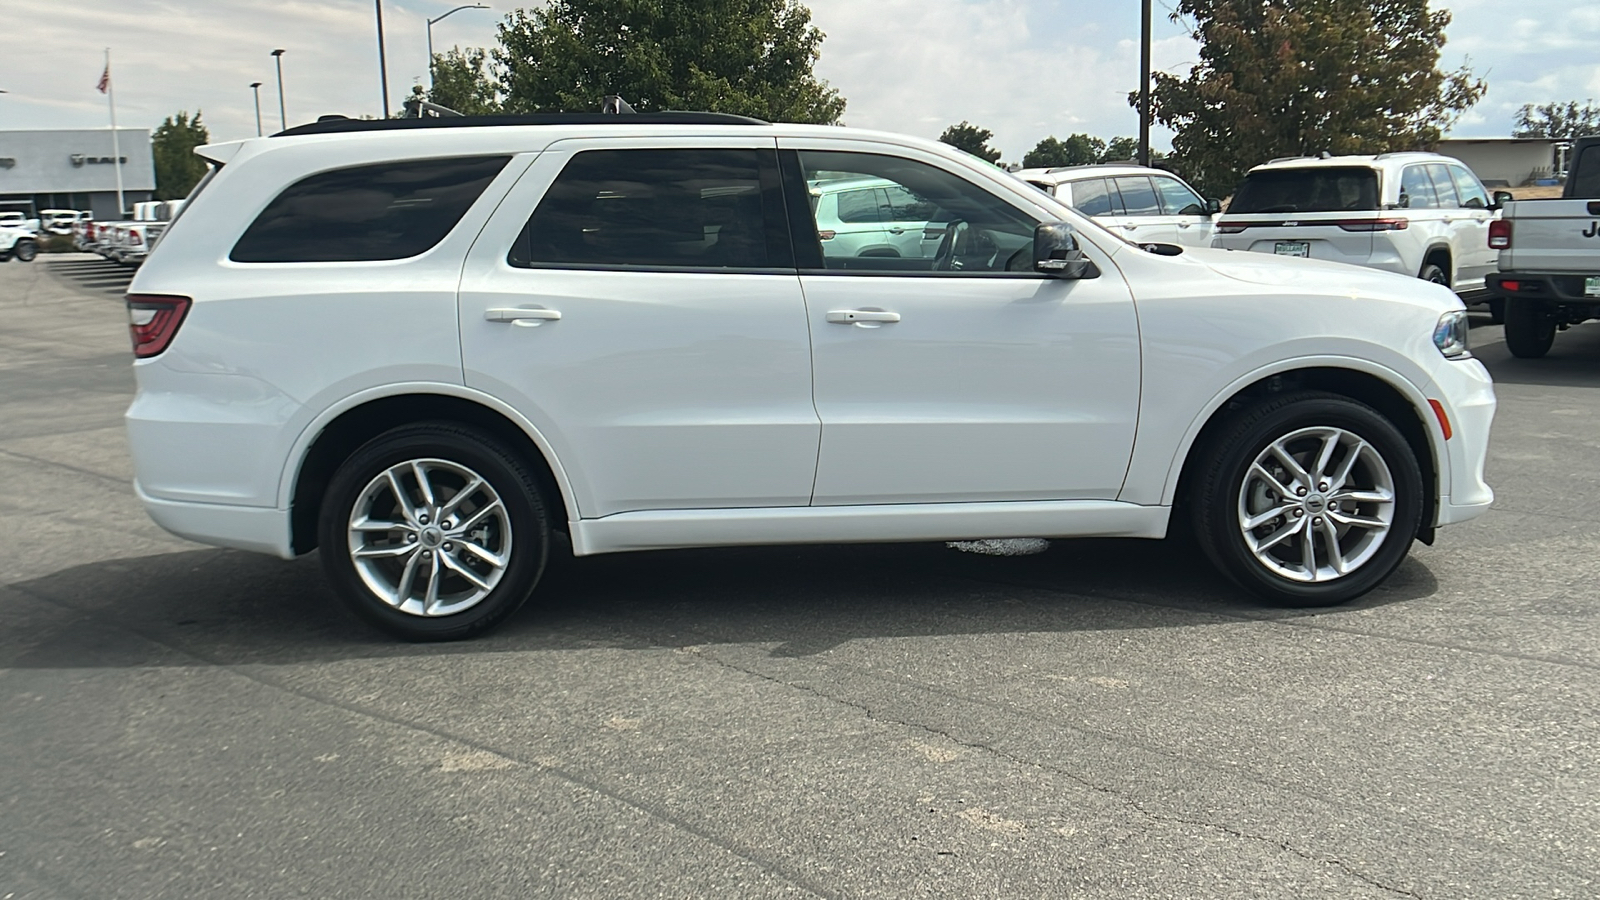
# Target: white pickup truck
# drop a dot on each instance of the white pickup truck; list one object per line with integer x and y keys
{"x": 1550, "y": 257}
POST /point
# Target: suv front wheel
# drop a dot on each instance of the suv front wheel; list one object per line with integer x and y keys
{"x": 433, "y": 532}
{"x": 1308, "y": 499}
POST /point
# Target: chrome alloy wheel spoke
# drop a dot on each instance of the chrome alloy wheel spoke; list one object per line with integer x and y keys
{"x": 1316, "y": 504}
{"x": 410, "y": 552}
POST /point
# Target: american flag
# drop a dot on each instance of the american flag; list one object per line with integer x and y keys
{"x": 105, "y": 79}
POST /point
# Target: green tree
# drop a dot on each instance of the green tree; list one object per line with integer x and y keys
{"x": 1121, "y": 149}
{"x": 1076, "y": 150}
{"x": 1296, "y": 77}
{"x": 972, "y": 139}
{"x": 751, "y": 57}
{"x": 461, "y": 81}
{"x": 1563, "y": 121}
{"x": 172, "y": 145}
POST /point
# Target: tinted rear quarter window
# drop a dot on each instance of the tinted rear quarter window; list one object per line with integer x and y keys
{"x": 1138, "y": 196}
{"x": 1091, "y": 198}
{"x": 1585, "y": 174}
{"x": 390, "y": 210}
{"x": 1322, "y": 189}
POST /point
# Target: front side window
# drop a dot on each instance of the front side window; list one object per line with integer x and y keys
{"x": 1138, "y": 197}
{"x": 963, "y": 228}
{"x": 680, "y": 208}
{"x": 1320, "y": 189}
{"x": 1177, "y": 199}
{"x": 1472, "y": 194}
{"x": 385, "y": 211}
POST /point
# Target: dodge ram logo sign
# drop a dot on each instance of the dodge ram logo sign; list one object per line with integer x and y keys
{"x": 79, "y": 159}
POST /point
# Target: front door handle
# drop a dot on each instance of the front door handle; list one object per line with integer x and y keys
{"x": 861, "y": 316}
{"x": 897, "y": 231}
{"x": 521, "y": 315}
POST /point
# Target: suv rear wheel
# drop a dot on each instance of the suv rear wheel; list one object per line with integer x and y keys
{"x": 1308, "y": 499}
{"x": 433, "y": 532}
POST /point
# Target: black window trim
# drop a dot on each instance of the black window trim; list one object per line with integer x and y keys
{"x": 776, "y": 228}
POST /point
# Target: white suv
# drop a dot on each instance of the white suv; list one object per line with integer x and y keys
{"x": 1146, "y": 206}
{"x": 423, "y": 346}
{"x": 1417, "y": 214}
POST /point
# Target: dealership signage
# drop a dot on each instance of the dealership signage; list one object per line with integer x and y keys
{"x": 8, "y": 162}
{"x": 79, "y": 159}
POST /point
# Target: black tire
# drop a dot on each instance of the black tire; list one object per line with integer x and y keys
{"x": 25, "y": 251}
{"x": 1224, "y": 473}
{"x": 1530, "y": 330}
{"x": 1497, "y": 310}
{"x": 450, "y": 453}
{"x": 1434, "y": 275}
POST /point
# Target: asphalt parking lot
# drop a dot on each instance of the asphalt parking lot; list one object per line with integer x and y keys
{"x": 1106, "y": 719}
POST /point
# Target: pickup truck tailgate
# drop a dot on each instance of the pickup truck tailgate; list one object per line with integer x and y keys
{"x": 1552, "y": 236}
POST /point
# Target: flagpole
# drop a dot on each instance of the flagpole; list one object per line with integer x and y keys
{"x": 116, "y": 149}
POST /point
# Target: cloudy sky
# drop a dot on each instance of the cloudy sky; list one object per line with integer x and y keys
{"x": 1022, "y": 68}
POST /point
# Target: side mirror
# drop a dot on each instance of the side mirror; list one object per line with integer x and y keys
{"x": 1213, "y": 206}
{"x": 1056, "y": 253}
{"x": 1501, "y": 198}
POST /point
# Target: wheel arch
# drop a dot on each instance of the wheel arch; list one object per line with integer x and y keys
{"x": 1391, "y": 395}
{"x": 1441, "y": 256}
{"x": 331, "y": 440}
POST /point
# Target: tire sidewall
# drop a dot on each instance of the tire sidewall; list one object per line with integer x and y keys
{"x": 25, "y": 251}
{"x": 1219, "y": 524}
{"x": 505, "y": 473}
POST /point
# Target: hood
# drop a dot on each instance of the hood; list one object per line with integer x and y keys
{"x": 1321, "y": 276}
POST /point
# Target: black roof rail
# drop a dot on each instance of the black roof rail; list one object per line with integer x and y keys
{"x": 341, "y": 125}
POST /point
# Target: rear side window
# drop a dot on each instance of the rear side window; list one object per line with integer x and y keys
{"x": 1091, "y": 198}
{"x": 690, "y": 208}
{"x": 1138, "y": 196}
{"x": 389, "y": 210}
{"x": 858, "y": 206}
{"x": 1585, "y": 174}
{"x": 1322, "y": 189}
{"x": 1416, "y": 189}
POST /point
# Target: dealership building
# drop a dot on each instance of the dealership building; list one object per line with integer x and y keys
{"x": 75, "y": 169}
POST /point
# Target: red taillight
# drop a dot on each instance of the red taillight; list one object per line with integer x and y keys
{"x": 1511, "y": 285}
{"x": 134, "y": 238}
{"x": 153, "y": 320}
{"x": 827, "y": 234}
{"x": 1500, "y": 234}
{"x": 1375, "y": 225}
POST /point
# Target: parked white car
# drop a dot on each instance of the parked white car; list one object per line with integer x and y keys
{"x": 1417, "y": 214}
{"x": 17, "y": 244}
{"x": 423, "y": 345}
{"x": 1143, "y": 205}
{"x": 20, "y": 221}
{"x": 872, "y": 217}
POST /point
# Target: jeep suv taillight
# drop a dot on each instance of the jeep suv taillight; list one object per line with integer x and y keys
{"x": 1500, "y": 234}
{"x": 153, "y": 319}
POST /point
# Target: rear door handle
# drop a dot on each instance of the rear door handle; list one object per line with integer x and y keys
{"x": 857, "y": 316}
{"x": 521, "y": 316}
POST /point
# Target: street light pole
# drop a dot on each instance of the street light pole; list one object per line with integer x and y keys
{"x": 283, "y": 118}
{"x": 383, "y": 64}
{"x": 255, "y": 87}
{"x": 430, "y": 36}
{"x": 1144, "y": 87}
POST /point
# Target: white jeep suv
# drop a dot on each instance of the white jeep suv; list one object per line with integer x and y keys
{"x": 1146, "y": 206}
{"x": 1413, "y": 213}
{"x": 423, "y": 346}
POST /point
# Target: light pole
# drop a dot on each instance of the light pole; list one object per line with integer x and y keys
{"x": 283, "y": 118}
{"x": 383, "y": 65}
{"x": 1144, "y": 87}
{"x": 430, "y": 36}
{"x": 255, "y": 87}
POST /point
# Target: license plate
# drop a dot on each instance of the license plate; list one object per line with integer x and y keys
{"x": 1292, "y": 248}
{"x": 1591, "y": 287}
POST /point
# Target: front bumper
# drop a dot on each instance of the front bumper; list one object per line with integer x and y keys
{"x": 1466, "y": 392}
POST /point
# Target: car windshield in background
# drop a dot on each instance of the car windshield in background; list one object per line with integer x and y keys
{"x": 1322, "y": 189}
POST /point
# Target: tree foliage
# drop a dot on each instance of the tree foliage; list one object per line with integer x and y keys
{"x": 1297, "y": 77}
{"x": 1076, "y": 150}
{"x": 972, "y": 139}
{"x": 462, "y": 82}
{"x": 751, "y": 57}
{"x": 1563, "y": 121}
{"x": 172, "y": 145}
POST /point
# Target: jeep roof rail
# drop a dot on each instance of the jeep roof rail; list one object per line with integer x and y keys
{"x": 340, "y": 125}
{"x": 1393, "y": 153}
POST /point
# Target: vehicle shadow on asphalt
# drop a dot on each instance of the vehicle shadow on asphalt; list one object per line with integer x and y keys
{"x": 1573, "y": 361}
{"x": 91, "y": 273}
{"x": 232, "y": 608}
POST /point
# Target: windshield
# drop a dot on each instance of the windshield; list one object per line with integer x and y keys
{"x": 1322, "y": 189}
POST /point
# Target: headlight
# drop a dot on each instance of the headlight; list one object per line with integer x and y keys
{"x": 1450, "y": 335}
